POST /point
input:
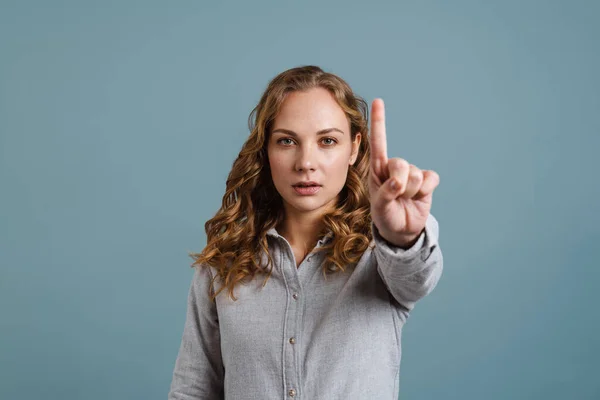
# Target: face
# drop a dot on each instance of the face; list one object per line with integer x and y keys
{"x": 311, "y": 141}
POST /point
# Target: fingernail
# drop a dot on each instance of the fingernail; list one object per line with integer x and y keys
{"x": 393, "y": 184}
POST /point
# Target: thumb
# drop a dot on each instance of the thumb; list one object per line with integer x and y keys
{"x": 387, "y": 192}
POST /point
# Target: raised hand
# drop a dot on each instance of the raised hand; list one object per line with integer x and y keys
{"x": 400, "y": 193}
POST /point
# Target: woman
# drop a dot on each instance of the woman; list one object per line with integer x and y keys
{"x": 344, "y": 238}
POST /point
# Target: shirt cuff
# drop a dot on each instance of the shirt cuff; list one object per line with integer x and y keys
{"x": 423, "y": 246}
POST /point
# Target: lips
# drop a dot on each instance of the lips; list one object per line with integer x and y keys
{"x": 306, "y": 190}
{"x": 306, "y": 184}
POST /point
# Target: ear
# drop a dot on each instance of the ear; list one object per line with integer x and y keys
{"x": 355, "y": 147}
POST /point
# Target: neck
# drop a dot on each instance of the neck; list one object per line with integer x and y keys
{"x": 301, "y": 229}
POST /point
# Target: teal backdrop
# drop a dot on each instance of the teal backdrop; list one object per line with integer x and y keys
{"x": 120, "y": 120}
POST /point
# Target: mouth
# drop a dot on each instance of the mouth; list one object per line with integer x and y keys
{"x": 306, "y": 189}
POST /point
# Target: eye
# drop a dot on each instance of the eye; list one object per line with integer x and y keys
{"x": 333, "y": 141}
{"x": 285, "y": 144}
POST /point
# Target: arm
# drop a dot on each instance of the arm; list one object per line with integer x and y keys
{"x": 410, "y": 274}
{"x": 198, "y": 372}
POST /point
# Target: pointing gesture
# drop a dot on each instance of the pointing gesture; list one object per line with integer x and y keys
{"x": 400, "y": 193}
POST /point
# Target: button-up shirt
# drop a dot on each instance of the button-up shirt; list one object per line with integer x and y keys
{"x": 304, "y": 336}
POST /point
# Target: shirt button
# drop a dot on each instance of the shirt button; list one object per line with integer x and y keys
{"x": 292, "y": 340}
{"x": 292, "y": 392}
{"x": 295, "y": 296}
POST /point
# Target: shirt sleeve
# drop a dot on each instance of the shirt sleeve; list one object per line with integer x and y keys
{"x": 410, "y": 274}
{"x": 198, "y": 372}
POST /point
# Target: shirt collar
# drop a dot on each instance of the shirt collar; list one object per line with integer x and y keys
{"x": 328, "y": 236}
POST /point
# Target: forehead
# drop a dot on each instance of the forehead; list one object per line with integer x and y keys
{"x": 310, "y": 111}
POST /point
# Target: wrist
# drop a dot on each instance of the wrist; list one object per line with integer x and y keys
{"x": 404, "y": 240}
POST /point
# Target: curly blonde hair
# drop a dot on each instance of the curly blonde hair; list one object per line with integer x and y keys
{"x": 251, "y": 206}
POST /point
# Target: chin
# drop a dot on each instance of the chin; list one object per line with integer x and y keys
{"x": 305, "y": 206}
{"x": 308, "y": 203}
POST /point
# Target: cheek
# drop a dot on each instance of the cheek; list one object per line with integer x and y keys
{"x": 336, "y": 162}
{"x": 337, "y": 170}
{"x": 277, "y": 159}
{"x": 278, "y": 165}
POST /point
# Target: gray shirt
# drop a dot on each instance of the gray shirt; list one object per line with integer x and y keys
{"x": 302, "y": 336}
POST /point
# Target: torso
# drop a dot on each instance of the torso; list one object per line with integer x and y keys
{"x": 332, "y": 320}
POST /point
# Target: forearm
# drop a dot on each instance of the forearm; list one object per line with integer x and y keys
{"x": 412, "y": 272}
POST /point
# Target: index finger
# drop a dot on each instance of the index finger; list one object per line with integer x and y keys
{"x": 378, "y": 138}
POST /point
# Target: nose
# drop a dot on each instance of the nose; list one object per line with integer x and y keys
{"x": 305, "y": 159}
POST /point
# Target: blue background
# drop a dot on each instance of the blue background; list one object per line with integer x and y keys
{"x": 120, "y": 120}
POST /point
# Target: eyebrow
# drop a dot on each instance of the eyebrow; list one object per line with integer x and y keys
{"x": 321, "y": 132}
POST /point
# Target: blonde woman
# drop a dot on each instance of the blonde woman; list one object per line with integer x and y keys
{"x": 319, "y": 252}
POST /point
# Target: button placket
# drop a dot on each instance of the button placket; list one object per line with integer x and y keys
{"x": 291, "y": 352}
{"x": 293, "y": 316}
